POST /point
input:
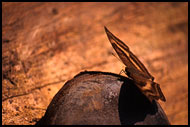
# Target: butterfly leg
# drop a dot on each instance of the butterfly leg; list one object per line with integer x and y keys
{"x": 122, "y": 71}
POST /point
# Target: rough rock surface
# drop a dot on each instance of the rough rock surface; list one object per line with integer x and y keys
{"x": 97, "y": 98}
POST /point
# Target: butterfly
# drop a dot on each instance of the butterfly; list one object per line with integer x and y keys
{"x": 136, "y": 70}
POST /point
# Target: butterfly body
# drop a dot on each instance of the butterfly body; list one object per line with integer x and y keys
{"x": 136, "y": 70}
{"x": 135, "y": 75}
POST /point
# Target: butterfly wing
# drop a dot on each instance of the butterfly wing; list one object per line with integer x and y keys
{"x": 127, "y": 57}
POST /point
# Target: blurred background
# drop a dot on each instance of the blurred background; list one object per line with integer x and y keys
{"x": 46, "y": 44}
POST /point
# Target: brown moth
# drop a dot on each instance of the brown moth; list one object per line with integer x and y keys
{"x": 136, "y": 70}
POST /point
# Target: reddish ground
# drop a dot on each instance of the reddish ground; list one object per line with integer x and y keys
{"x": 46, "y": 44}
